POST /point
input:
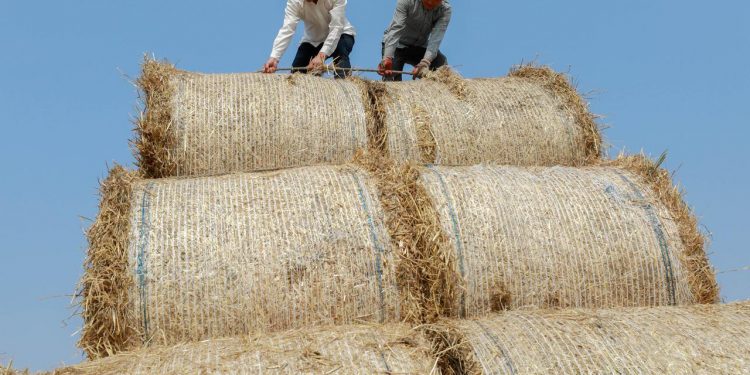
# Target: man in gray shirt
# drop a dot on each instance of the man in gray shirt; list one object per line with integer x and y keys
{"x": 414, "y": 37}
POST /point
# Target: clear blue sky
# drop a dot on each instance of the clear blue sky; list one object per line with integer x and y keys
{"x": 666, "y": 74}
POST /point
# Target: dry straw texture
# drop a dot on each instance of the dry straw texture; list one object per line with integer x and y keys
{"x": 562, "y": 237}
{"x": 103, "y": 291}
{"x": 425, "y": 271}
{"x": 532, "y": 117}
{"x": 223, "y": 256}
{"x": 341, "y": 350}
{"x": 702, "y": 278}
{"x": 701, "y": 339}
{"x": 201, "y": 124}
{"x": 207, "y": 124}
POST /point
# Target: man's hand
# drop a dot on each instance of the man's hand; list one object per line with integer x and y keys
{"x": 317, "y": 64}
{"x": 271, "y": 65}
{"x": 421, "y": 69}
{"x": 385, "y": 68}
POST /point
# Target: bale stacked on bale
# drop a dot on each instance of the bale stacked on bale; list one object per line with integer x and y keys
{"x": 206, "y": 124}
{"x": 602, "y": 236}
{"x": 532, "y": 117}
{"x": 706, "y": 339}
{"x": 175, "y": 260}
{"x": 389, "y": 349}
{"x": 199, "y": 124}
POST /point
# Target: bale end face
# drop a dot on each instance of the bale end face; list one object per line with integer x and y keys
{"x": 103, "y": 289}
{"x": 154, "y": 139}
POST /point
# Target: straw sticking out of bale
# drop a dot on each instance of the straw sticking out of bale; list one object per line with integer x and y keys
{"x": 425, "y": 271}
{"x": 701, "y": 276}
{"x": 558, "y": 237}
{"x": 103, "y": 290}
{"x": 155, "y": 136}
{"x": 561, "y": 87}
{"x": 389, "y": 349}
{"x": 694, "y": 339}
{"x": 451, "y": 79}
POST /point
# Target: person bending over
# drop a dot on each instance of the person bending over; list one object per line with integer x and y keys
{"x": 328, "y": 33}
{"x": 414, "y": 37}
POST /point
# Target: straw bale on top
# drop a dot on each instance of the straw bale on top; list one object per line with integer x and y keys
{"x": 207, "y": 124}
{"x": 520, "y": 120}
{"x": 703, "y": 339}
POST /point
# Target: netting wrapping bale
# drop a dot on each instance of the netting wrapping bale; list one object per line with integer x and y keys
{"x": 202, "y": 124}
{"x": 189, "y": 259}
{"x": 566, "y": 237}
{"x": 701, "y": 339}
{"x": 532, "y": 117}
{"x": 207, "y": 124}
{"x": 389, "y": 349}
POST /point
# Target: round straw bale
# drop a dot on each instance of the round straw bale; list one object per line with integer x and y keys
{"x": 203, "y": 124}
{"x": 564, "y": 237}
{"x": 699, "y": 339}
{"x": 221, "y": 256}
{"x": 207, "y": 124}
{"x": 523, "y": 119}
{"x": 389, "y": 349}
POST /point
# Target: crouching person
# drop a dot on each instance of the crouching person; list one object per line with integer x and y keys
{"x": 414, "y": 37}
{"x": 328, "y": 34}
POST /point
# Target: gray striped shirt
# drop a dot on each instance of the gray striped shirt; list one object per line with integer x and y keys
{"x": 415, "y": 26}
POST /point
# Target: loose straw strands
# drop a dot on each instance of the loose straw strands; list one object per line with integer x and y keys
{"x": 220, "y": 256}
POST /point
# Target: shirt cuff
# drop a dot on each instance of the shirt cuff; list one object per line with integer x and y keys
{"x": 429, "y": 56}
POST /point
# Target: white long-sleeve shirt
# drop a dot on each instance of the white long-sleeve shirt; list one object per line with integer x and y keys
{"x": 324, "y": 23}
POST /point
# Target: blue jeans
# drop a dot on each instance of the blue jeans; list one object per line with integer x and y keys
{"x": 412, "y": 56}
{"x": 307, "y": 52}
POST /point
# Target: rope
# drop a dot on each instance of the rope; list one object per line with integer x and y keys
{"x": 657, "y": 227}
{"x": 456, "y": 232}
{"x": 141, "y": 269}
{"x": 332, "y": 68}
{"x": 375, "y": 242}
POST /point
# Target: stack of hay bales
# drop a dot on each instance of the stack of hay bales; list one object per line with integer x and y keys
{"x": 295, "y": 224}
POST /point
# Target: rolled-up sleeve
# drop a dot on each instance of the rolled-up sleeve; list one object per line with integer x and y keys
{"x": 437, "y": 34}
{"x": 284, "y": 37}
{"x": 336, "y": 27}
{"x": 398, "y": 25}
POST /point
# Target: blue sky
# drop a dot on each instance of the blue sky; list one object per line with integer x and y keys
{"x": 667, "y": 75}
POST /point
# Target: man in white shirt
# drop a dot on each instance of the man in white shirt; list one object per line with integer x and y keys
{"x": 328, "y": 33}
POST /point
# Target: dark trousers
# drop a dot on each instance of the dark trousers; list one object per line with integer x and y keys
{"x": 307, "y": 51}
{"x": 412, "y": 56}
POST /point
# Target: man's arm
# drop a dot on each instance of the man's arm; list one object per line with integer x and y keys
{"x": 335, "y": 28}
{"x": 397, "y": 27}
{"x": 284, "y": 37}
{"x": 437, "y": 34}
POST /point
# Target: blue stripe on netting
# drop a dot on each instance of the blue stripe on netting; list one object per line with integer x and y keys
{"x": 375, "y": 242}
{"x": 499, "y": 345}
{"x": 141, "y": 269}
{"x": 456, "y": 231}
{"x": 659, "y": 231}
